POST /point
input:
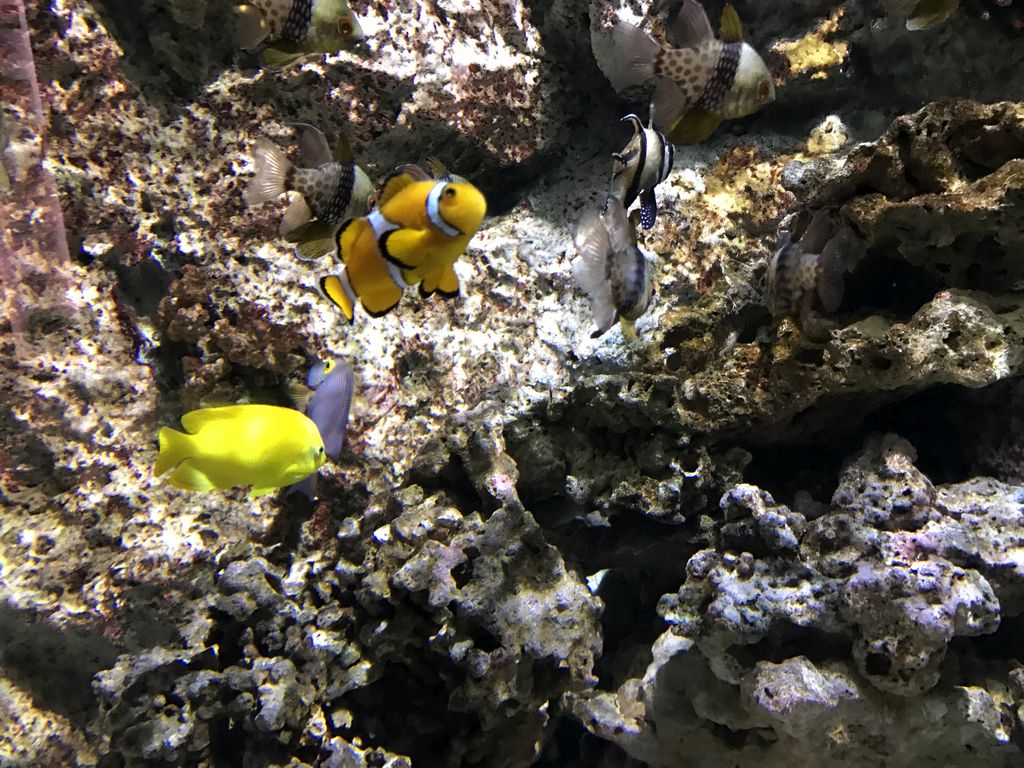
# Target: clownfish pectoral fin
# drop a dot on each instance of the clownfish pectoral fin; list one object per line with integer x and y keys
{"x": 732, "y": 30}
{"x": 694, "y": 127}
{"x": 315, "y": 240}
{"x": 403, "y": 247}
{"x": 443, "y": 281}
{"x": 188, "y": 477}
{"x": 336, "y": 290}
{"x": 396, "y": 182}
{"x": 648, "y": 208}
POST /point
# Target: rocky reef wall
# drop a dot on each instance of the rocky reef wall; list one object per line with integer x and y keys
{"x": 724, "y": 543}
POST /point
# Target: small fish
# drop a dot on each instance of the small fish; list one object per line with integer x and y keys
{"x": 640, "y": 167}
{"x": 283, "y": 31}
{"x": 263, "y": 446}
{"x": 329, "y": 189}
{"x": 923, "y": 14}
{"x": 610, "y": 268}
{"x": 796, "y": 275}
{"x": 702, "y": 80}
{"x": 328, "y": 407}
{"x": 418, "y": 230}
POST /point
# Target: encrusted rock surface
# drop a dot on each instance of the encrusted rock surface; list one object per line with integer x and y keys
{"x": 521, "y": 510}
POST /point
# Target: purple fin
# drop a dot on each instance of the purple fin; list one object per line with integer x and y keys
{"x": 306, "y": 487}
{"x": 648, "y": 208}
{"x": 329, "y": 406}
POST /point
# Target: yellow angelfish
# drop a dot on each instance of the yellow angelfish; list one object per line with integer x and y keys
{"x": 264, "y": 446}
{"x": 414, "y": 236}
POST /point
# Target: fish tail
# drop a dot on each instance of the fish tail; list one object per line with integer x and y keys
{"x": 251, "y": 28}
{"x": 636, "y": 51}
{"x": 272, "y": 169}
{"x": 175, "y": 447}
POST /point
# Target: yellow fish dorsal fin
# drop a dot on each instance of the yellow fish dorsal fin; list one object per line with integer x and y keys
{"x": 732, "y": 30}
{"x": 343, "y": 150}
{"x": 693, "y": 127}
{"x": 193, "y": 421}
{"x": 395, "y": 183}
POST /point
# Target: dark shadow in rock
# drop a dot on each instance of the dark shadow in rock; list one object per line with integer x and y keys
{"x": 55, "y": 667}
{"x": 887, "y": 284}
{"x": 30, "y": 460}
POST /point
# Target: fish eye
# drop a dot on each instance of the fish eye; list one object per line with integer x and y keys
{"x": 321, "y": 450}
{"x": 449, "y": 192}
{"x": 345, "y": 27}
{"x": 328, "y": 366}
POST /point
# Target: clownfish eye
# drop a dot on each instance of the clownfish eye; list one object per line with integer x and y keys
{"x": 764, "y": 89}
{"x": 449, "y": 192}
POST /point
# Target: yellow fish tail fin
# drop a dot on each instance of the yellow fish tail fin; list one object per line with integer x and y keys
{"x": 187, "y": 477}
{"x": 175, "y": 447}
{"x": 403, "y": 247}
{"x": 336, "y": 290}
{"x": 443, "y": 281}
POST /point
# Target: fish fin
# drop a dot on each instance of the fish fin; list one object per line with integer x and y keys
{"x": 443, "y": 281}
{"x": 399, "y": 180}
{"x": 278, "y": 58}
{"x": 732, "y": 29}
{"x": 617, "y": 224}
{"x": 343, "y": 150}
{"x": 417, "y": 173}
{"x": 272, "y": 169}
{"x": 667, "y": 103}
{"x": 931, "y": 13}
{"x": 306, "y": 487}
{"x": 315, "y": 240}
{"x": 436, "y": 168}
{"x": 296, "y": 216}
{"x": 193, "y": 421}
{"x": 816, "y": 236}
{"x": 299, "y": 394}
{"x": 590, "y": 270}
{"x": 313, "y": 147}
{"x": 175, "y": 447}
{"x": 636, "y": 51}
{"x": 336, "y": 290}
{"x": 648, "y": 208}
{"x": 690, "y": 27}
{"x": 833, "y": 268}
{"x": 346, "y": 236}
{"x": 693, "y": 127}
{"x": 251, "y": 27}
{"x": 381, "y": 299}
{"x": 403, "y": 247}
{"x": 628, "y": 329}
{"x": 188, "y": 477}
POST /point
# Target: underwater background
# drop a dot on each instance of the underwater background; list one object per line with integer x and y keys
{"x": 759, "y": 525}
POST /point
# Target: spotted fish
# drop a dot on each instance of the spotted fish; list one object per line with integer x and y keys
{"x": 923, "y": 14}
{"x": 328, "y": 190}
{"x": 701, "y": 80}
{"x": 610, "y": 268}
{"x": 640, "y": 167}
{"x": 283, "y": 31}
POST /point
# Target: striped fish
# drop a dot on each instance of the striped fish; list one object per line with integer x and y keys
{"x": 330, "y": 189}
{"x": 640, "y": 167}
{"x": 701, "y": 80}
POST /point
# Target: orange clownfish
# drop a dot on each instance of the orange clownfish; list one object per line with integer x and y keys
{"x": 418, "y": 230}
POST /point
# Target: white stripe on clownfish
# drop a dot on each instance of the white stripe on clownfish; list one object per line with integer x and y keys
{"x": 395, "y": 272}
{"x": 434, "y": 211}
{"x": 379, "y": 224}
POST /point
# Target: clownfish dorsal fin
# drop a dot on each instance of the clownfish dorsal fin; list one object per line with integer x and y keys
{"x": 402, "y": 177}
{"x": 732, "y": 29}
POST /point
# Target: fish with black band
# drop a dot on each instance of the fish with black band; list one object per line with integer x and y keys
{"x": 328, "y": 189}
{"x": 414, "y": 236}
{"x": 284, "y": 31}
{"x": 640, "y": 167}
{"x": 700, "y": 80}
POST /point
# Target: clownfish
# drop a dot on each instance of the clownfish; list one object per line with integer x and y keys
{"x": 418, "y": 230}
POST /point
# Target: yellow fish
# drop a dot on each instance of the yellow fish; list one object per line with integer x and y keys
{"x": 414, "y": 236}
{"x": 264, "y": 446}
